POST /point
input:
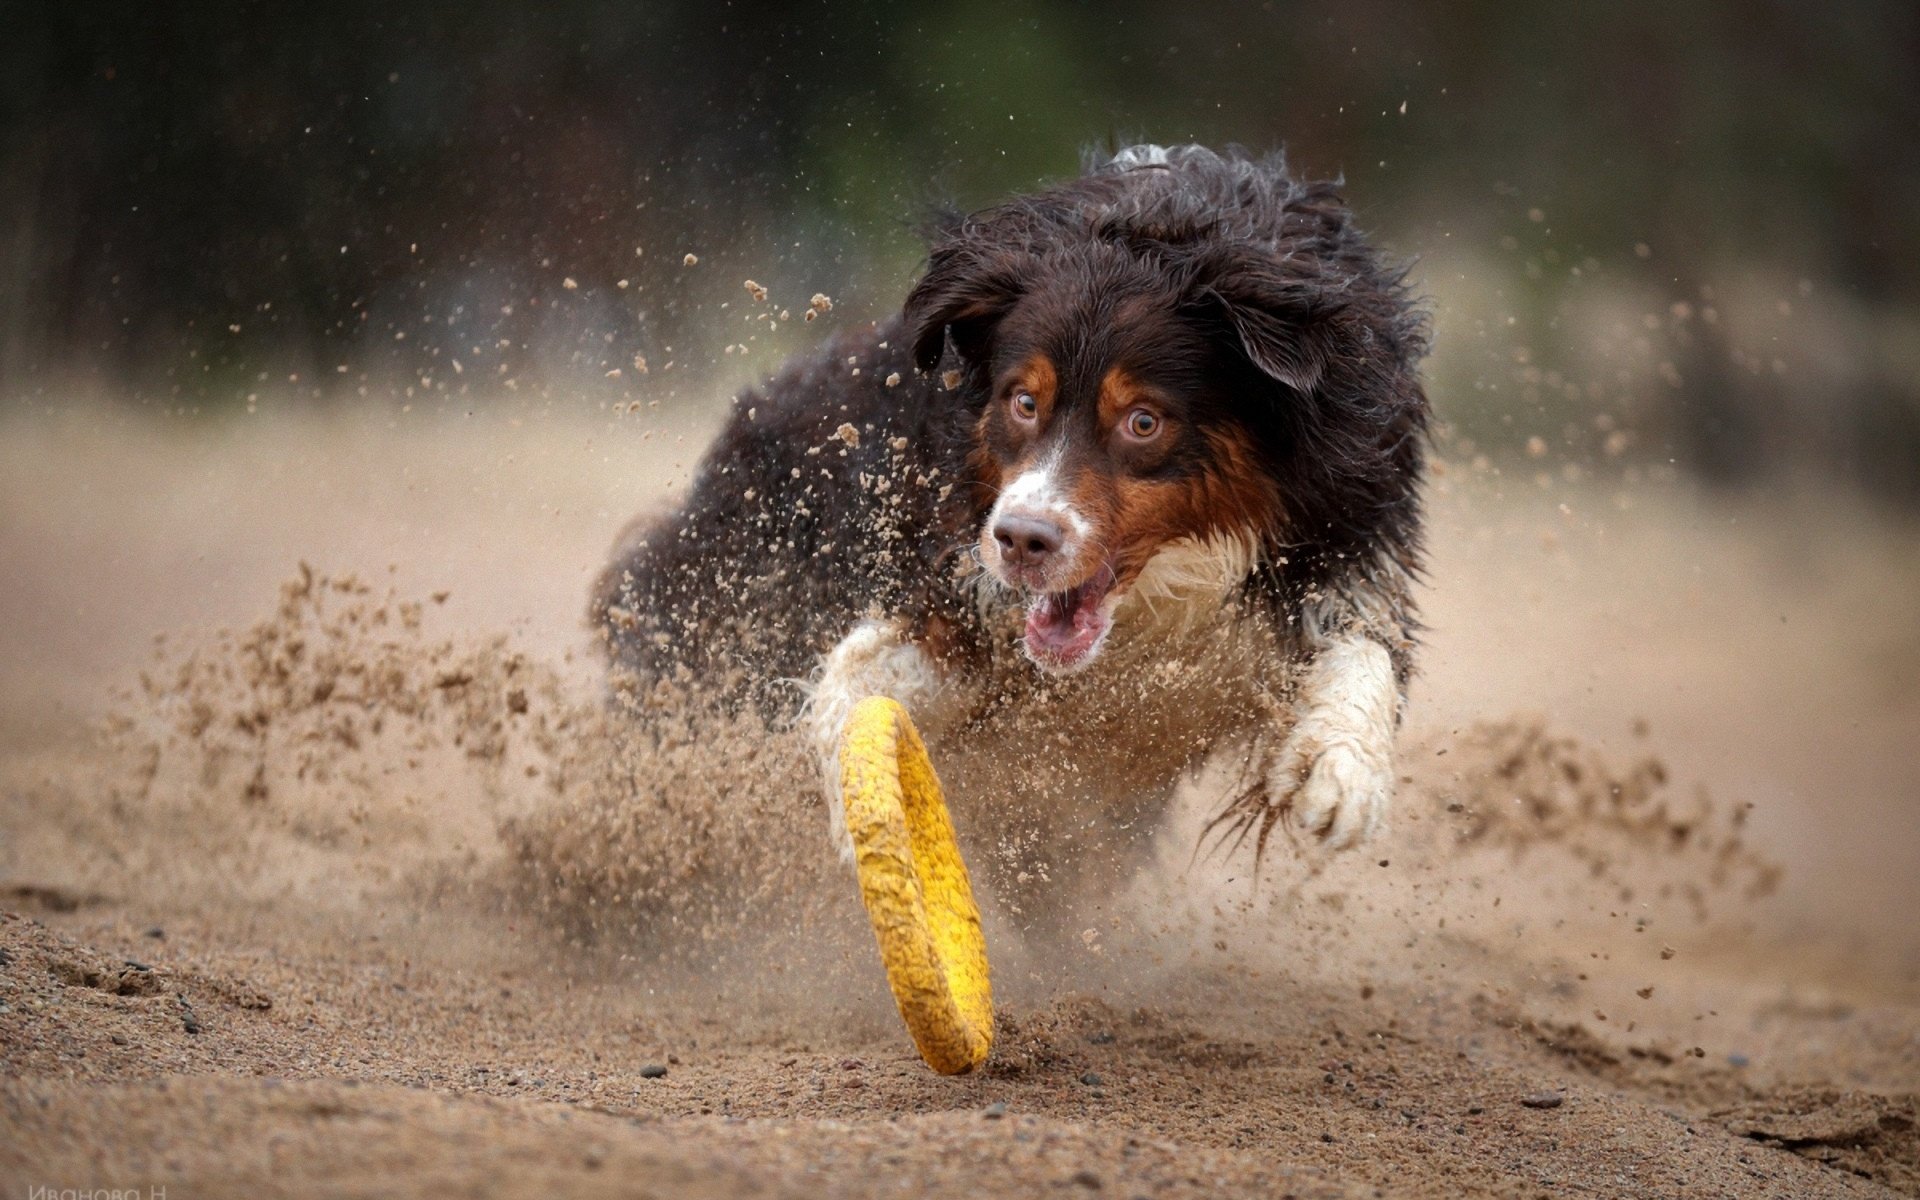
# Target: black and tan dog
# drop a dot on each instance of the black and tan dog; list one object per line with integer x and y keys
{"x": 1131, "y": 481}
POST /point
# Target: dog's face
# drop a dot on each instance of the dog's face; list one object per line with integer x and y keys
{"x": 1181, "y": 373}
{"x": 1109, "y": 444}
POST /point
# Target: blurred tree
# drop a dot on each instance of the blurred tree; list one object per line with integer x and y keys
{"x": 195, "y": 198}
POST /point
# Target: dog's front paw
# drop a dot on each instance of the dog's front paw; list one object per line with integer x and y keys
{"x": 1338, "y": 791}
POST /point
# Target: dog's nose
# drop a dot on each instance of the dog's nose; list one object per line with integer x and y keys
{"x": 1026, "y": 541}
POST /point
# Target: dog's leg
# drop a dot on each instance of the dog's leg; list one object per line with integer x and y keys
{"x": 1335, "y": 769}
{"x": 876, "y": 659}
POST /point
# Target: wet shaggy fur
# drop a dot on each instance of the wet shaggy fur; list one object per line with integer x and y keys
{"x": 850, "y": 490}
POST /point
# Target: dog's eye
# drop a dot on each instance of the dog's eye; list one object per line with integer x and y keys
{"x": 1025, "y": 406}
{"x": 1142, "y": 424}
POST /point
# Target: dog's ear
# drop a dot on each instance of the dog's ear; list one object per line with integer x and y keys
{"x": 965, "y": 291}
{"x": 1286, "y": 329}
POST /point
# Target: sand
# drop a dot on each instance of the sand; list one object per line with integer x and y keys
{"x": 350, "y": 884}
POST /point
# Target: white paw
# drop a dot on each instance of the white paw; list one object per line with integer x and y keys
{"x": 872, "y": 660}
{"x": 1338, "y": 792}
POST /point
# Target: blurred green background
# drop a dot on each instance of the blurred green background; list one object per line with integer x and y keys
{"x": 1651, "y": 233}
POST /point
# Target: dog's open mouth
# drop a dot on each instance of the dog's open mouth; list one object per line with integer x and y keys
{"x": 1065, "y": 628}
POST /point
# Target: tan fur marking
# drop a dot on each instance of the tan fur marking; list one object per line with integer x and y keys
{"x": 1232, "y": 499}
{"x": 1121, "y": 393}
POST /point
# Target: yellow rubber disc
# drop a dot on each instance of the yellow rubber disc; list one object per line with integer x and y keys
{"x": 916, "y": 888}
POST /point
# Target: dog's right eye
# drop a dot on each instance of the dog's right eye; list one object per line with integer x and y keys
{"x": 1025, "y": 407}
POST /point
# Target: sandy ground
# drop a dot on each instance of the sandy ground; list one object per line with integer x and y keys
{"x": 1643, "y": 927}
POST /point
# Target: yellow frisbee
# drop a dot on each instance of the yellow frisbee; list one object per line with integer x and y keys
{"x": 916, "y": 888}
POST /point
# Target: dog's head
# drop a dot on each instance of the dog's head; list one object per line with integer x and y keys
{"x": 1176, "y": 369}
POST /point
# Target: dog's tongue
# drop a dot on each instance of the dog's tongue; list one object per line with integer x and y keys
{"x": 1064, "y": 627}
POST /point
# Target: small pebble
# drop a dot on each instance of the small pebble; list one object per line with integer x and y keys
{"x": 190, "y": 1023}
{"x": 1086, "y": 1179}
{"x": 653, "y": 1071}
{"x": 996, "y": 1110}
{"x": 1737, "y": 1060}
{"x": 1091, "y": 1079}
{"x": 1543, "y": 1100}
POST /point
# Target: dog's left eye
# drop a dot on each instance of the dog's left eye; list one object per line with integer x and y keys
{"x": 1025, "y": 406}
{"x": 1142, "y": 424}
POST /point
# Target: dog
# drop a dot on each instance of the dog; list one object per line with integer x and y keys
{"x": 1130, "y": 484}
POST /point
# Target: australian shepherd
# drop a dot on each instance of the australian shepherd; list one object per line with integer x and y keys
{"x": 1130, "y": 484}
